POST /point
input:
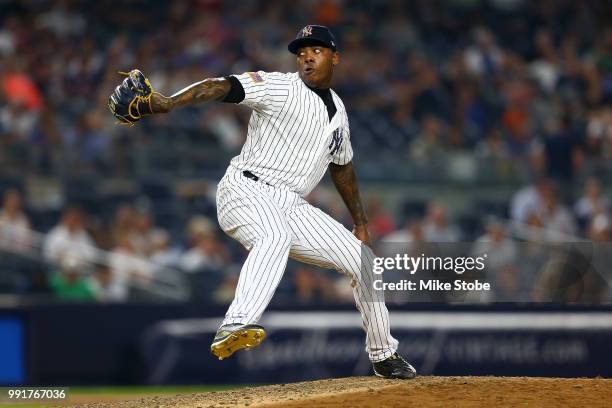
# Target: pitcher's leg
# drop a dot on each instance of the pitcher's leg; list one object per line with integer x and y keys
{"x": 259, "y": 278}
{"x": 248, "y": 215}
{"x": 319, "y": 239}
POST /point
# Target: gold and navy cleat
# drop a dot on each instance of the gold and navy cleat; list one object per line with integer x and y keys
{"x": 233, "y": 337}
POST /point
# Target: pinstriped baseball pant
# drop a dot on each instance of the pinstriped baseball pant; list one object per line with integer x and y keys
{"x": 274, "y": 224}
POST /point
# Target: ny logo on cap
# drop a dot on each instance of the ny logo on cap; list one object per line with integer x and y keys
{"x": 306, "y": 31}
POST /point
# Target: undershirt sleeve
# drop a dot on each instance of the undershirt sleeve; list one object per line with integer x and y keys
{"x": 236, "y": 92}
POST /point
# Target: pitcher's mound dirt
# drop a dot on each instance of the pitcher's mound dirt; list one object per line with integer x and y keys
{"x": 422, "y": 392}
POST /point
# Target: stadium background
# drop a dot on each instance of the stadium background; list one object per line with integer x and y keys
{"x": 473, "y": 121}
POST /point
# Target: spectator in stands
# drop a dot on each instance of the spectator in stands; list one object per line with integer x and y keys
{"x": 516, "y": 118}
{"x": 428, "y": 149}
{"x": 69, "y": 281}
{"x": 69, "y": 239}
{"x": 123, "y": 223}
{"x": 20, "y": 102}
{"x": 145, "y": 232}
{"x": 534, "y": 252}
{"x": 20, "y": 89}
{"x": 556, "y": 218}
{"x": 484, "y": 57}
{"x": 561, "y": 145}
{"x": 431, "y": 98}
{"x": 599, "y": 134}
{"x": 408, "y": 240}
{"x": 46, "y": 143}
{"x": 597, "y": 283}
{"x": 436, "y": 227}
{"x": 602, "y": 59}
{"x": 224, "y": 294}
{"x": 106, "y": 286}
{"x": 63, "y": 19}
{"x": 529, "y": 200}
{"x": 578, "y": 272}
{"x": 494, "y": 148}
{"x": 546, "y": 68}
{"x": 8, "y": 34}
{"x": 502, "y": 257}
{"x": 222, "y": 122}
{"x": 206, "y": 253}
{"x": 592, "y": 202}
{"x": 164, "y": 255}
{"x": 87, "y": 143}
{"x": 313, "y": 286}
{"x": 599, "y": 228}
{"x": 17, "y": 121}
{"x": 128, "y": 268}
{"x": 380, "y": 221}
{"x": 411, "y": 233}
{"x": 15, "y": 233}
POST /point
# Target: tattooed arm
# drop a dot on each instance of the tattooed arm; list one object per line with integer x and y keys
{"x": 214, "y": 89}
{"x": 345, "y": 180}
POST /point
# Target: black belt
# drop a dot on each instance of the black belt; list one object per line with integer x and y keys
{"x": 253, "y": 177}
{"x": 250, "y": 175}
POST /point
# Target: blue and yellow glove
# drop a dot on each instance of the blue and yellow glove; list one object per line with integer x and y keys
{"x": 132, "y": 98}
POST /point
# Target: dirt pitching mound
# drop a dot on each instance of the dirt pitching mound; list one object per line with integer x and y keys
{"x": 422, "y": 392}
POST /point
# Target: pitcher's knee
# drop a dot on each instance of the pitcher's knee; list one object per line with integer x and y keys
{"x": 279, "y": 238}
{"x": 358, "y": 266}
{"x": 352, "y": 269}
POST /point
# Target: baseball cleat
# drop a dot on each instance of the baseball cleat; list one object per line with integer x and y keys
{"x": 394, "y": 367}
{"x": 233, "y": 337}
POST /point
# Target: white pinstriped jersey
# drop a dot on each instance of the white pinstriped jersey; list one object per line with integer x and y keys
{"x": 290, "y": 143}
{"x": 291, "y": 140}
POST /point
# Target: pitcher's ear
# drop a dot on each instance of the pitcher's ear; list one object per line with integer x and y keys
{"x": 336, "y": 58}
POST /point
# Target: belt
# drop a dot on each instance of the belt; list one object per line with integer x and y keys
{"x": 251, "y": 176}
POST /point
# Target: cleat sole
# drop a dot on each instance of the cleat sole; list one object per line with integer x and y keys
{"x": 243, "y": 339}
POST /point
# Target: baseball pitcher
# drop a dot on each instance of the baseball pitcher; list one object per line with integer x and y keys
{"x": 298, "y": 129}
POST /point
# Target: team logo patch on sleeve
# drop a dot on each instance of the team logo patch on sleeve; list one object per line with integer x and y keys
{"x": 255, "y": 77}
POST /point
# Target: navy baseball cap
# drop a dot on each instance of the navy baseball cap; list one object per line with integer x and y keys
{"x": 313, "y": 34}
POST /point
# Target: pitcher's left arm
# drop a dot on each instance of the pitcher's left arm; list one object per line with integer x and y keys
{"x": 345, "y": 180}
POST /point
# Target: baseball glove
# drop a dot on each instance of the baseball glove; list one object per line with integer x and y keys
{"x": 132, "y": 98}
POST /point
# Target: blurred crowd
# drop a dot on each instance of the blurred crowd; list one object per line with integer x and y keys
{"x": 545, "y": 251}
{"x": 80, "y": 258}
{"x": 522, "y": 86}
{"x": 511, "y": 92}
